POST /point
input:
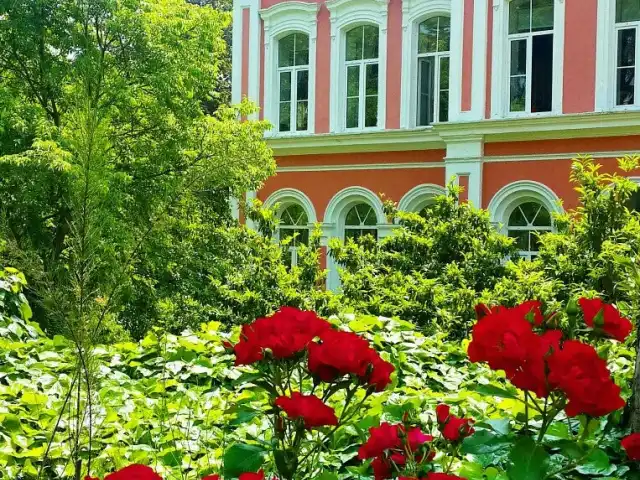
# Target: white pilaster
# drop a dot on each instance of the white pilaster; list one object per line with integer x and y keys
{"x": 464, "y": 158}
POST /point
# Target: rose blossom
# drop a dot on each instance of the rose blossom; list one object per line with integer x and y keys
{"x": 631, "y": 444}
{"x": 614, "y": 324}
{"x": 308, "y": 407}
{"x": 583, "y": 376}
{"x": 211, "y": 477}
{"x": 453, "y": 428}
{"x": 384, "y": 437}
{"x": 134, "y": 472}
{"x": 285, "y": 334}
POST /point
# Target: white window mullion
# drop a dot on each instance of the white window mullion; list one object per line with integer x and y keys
{"x": 436, "y": 89}
{"x": 362, "y": 93}
{"x": 529, "y": 81}
{"x": 636, "y": 80}
{"x": 294, "y": 96}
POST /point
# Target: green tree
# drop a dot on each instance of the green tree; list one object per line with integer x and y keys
{"x": 114, "y": 145}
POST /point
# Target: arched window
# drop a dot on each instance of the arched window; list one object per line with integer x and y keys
{"x": 526, "y": 222}
{"x": 293, "y": 227}
{"x": 293, "y": 83}
{"x": 627, "y": 51}
{"x": 531, "y": 45}
{"x": 361, "y": 67}
{"x": 634, "y": 202}
{"x": 433, "y": 70}
{"x": 360, "y": 220}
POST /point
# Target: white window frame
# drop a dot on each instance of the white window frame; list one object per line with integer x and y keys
{"x": 293, "y": 249}
{"x": 501, "y": 62}
{"x": 345, "y": 15}
{"x": 438, "y": 56}
{"x": 616, "y": 38}
{"x": 528, "y": 254}
{"x": 281, "y": 20}
{"x": 414, "y": 12}
{"x": 607, "y": 59}
{"x": 293, "y": 101}
{"x": 362, "y": 85}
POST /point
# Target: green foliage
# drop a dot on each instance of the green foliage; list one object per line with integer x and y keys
{"x": 107, "y": 155}
{"x": 430, "y": 270}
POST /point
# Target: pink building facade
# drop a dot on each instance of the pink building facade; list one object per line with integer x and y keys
{"x": 402, "y": 96}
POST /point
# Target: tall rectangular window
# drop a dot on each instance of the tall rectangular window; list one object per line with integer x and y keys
{"x": 433, "y": 70}
{"x": 627, "y": 52}
{"x": 531, "y": 41}
{"x": 293, "y": 83}
{"x": 362, "y": 79}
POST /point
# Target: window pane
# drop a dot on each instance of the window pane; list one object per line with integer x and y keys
{"x": 371, "y": 112}
{"x": 634, "y": 202}
{"x": 285, "y": 86}
{"x": 353, "y": 112}
{"x": 542, "y": 15}
{"x": 285, "y": 117}
{"x": 370, "y": 42}
{"x": 302, "y": 116}
{"x": 518, "y": 94}
{"x": 542, "y": 73}
{"x": 627, "y": 47}
{"x": 518, "y": 57}
{"x": 517, "y": 218}
{"x": 626, "y": 90}
{"x": 294, "y": 215}
{"x": 627, "y": 11}
{"x": 444, "y": 106}
{"x": 530, "y": 211}
{"x": 521, "y": 239}
{"x": 302, "y": 91}
{"x": 354, "y": 44}
{"x": 519, "y": 16}
{"x": 543, "y": 219}
{"x": 353, "y": 217}
{"x": 444, "y": 73}
{"x": 428, "y": 36}
{"x": 444, "y": 34}
{"x": 285, "y": 51}
{"x": 302, "y": 49}
{"x": 353, "y": 81}
{"x": 426, "y": 87}
{"x": 372, "y": 79}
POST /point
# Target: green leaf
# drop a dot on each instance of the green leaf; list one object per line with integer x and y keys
{"x": 483, "y": 442}
{"x": 172, "y": 458}
{"x": 241, "y": 458}
{"x": 528, "y": 461}
{"x": 495, "y": 391}
{"x": 471, "y": 471}
{"x": 596, "y": 463}
{"x": 11, "y": 423}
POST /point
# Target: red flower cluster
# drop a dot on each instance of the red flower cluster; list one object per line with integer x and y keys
{"x": 345, "y": 353}
{"x": 631, "y": 445}
{"x": 610, "y": 320}
{"x": 505, "y": 339}
{"x": 583, "y": 376}
{"x": 285, "y": 334}
{"x": 389, "y": 444}
{"x": 308, "y": 407}
{"x": 132, "y": 472}
{"x": 453, "y": 428}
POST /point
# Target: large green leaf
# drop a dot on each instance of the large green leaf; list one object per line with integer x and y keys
{"x": 528, "y": 461}
{"x": 241, "y": 458}
{"x": 596, "y": 463}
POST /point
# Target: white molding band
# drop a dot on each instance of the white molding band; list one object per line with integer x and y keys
{"x": 280, "y": 20}
{"x": 413, "y": 13}
{"x": 516, "y": 193}
{"x": 361, "y": 166}
{"x": 345, "y": 14}
{"x": 287, "y": 196}
{"x": 420, "y": 196}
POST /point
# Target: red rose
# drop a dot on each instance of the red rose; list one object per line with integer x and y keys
{"x": 456, "y": 428}
{"x": 91, "y": 478}
{"x": 211, "y": 477}
{"x": 501, "y": 339}
{"x": 443, "y": 476}
{"x": 416, "y": 438}
{"x": 308, "y": 407}
{"x": 583, "y": 376}
{"x": 531, "y": 309}
{"x": 442, "y": 413}
{"x": 285, "y": 334}
{"x": 253, "y": 476}
{"x": 631, "y": 444}
{"x": 381, "y": 468}
{"x": 134, "y": 472}
{"x": 531, "y": 374}
{"x": 384, "y": 437}
{"x": 614, "y": 325}
{"x": 345, "y": 353}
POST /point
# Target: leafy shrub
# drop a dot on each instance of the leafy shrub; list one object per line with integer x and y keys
{"x": 431, "y": 269}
